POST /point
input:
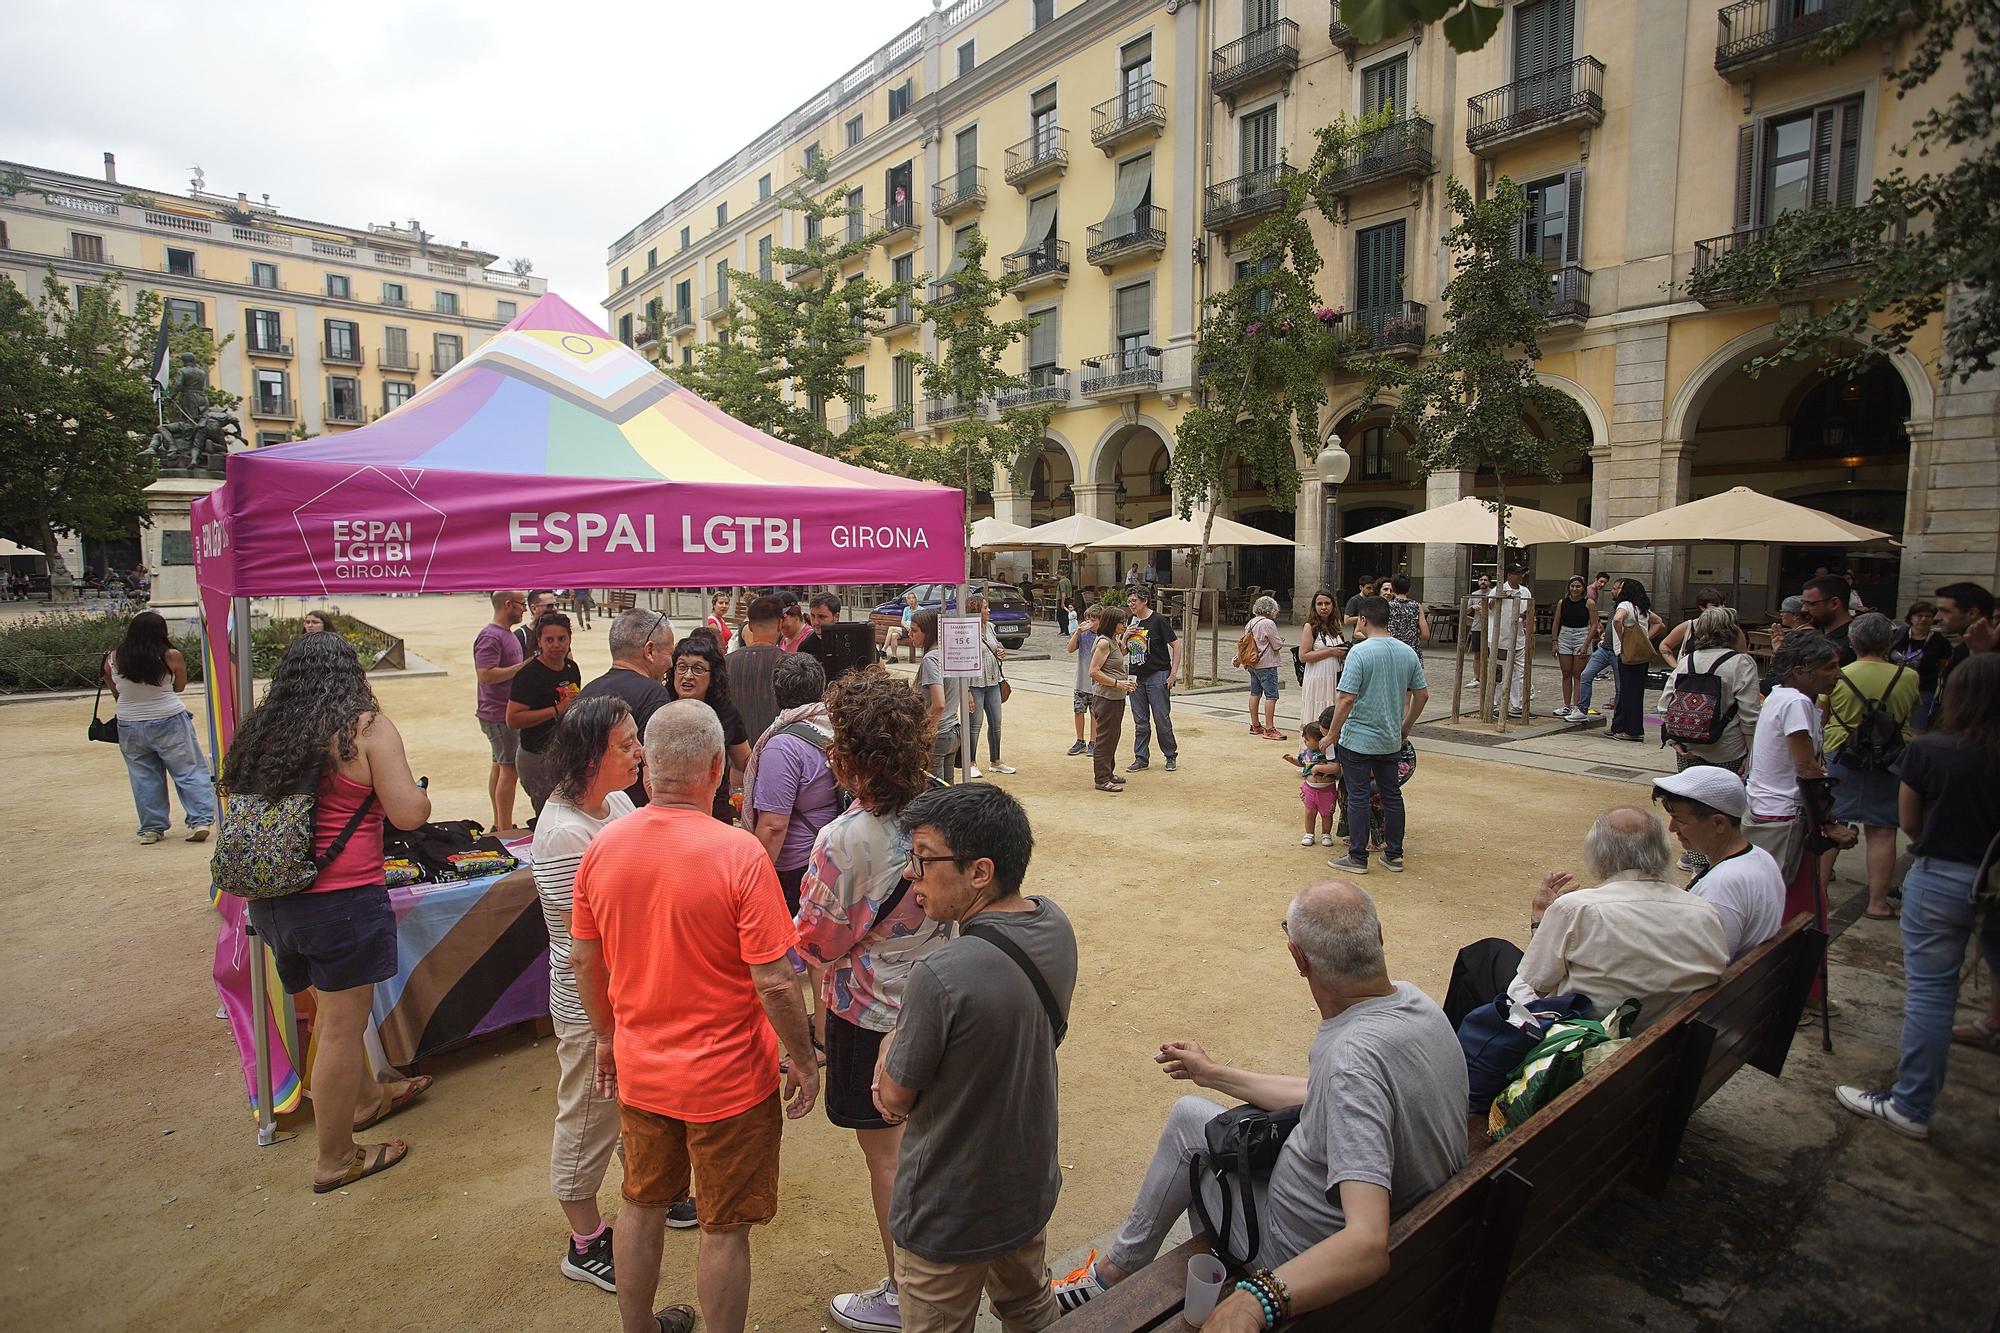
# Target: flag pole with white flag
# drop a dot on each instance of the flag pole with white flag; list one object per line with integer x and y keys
{"x": 162, "y": 369}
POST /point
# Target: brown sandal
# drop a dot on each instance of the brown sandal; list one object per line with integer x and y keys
{"x": 419, "y": 1085}
{"x": 367, "y": 1161}
{"x": 675, "y": 1319}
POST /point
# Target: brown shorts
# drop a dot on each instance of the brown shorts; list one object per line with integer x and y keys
{"x": 734, "y": 1163}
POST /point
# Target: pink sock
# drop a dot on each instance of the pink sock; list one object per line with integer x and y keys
{"x": 583, "y": 1242}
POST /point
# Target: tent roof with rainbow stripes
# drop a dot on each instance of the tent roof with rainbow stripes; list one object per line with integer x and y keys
{"x": 558, "y": 456}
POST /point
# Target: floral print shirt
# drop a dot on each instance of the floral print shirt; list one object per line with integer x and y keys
{"x": 857, "y": 862}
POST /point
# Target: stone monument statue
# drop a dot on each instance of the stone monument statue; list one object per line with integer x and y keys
{"x": 195, "y": 436}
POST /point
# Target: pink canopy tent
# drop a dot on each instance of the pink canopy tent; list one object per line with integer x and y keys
{"x": 553, "y": 456}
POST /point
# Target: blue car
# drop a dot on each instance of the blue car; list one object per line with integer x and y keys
{"x": 1008, "y": 610}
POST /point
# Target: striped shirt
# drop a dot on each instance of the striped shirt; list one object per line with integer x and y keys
{"x": 562, "y": 835}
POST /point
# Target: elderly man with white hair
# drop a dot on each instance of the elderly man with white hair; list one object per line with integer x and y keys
{"x": 1269, "y": 645}
{"x": 1380, "y": 1127}
{"x": 680, "y": 937}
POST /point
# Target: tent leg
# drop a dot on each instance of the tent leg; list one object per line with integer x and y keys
{"x": 964, "y": 708}
{"x": 246, "y": 697}
{"x": 208, "y": 692}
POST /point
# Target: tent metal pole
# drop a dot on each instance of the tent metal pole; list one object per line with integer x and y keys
{"x": 964, "y": 706}
{"x": 208, "y": 692}
{"x": 260, "y": 1008}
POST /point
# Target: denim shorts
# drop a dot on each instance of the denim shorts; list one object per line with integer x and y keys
{"x": 329, "y": 941}
{"x": 1264, "y": 682}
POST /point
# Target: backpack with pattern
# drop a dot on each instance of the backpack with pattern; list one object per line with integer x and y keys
{"x": 265, "y": 846}
{"x": 1693, "y": 712}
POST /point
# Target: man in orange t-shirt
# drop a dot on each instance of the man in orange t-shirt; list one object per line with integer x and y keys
{"x": 679, "y": 937}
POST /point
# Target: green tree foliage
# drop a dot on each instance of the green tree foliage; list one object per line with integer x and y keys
{"x": 802, "y": 334}
{"x": 971, "y": 343}
{"x": 1466, "y": 406}
{"x": 1468, "y": 25}
{"x": 77, "y": 410}
{"x": 1918, "y": 233}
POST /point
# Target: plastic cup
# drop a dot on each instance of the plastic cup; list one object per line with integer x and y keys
{"x": 1204, "y": 1288}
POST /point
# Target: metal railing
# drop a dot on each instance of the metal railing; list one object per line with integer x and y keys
{"x": 1388, "y": 328}
{"x": 349, "y": 355}
{"x": 1269, "y": 51}
{"x": 1566, "y": 297}
{"x": 1340, "y": 34}
{"x": 88, "y": 254}
{"x": 395, "y": 302}
{"x": 1250, "y": 195}
{"x": 677, "y": 319}
{"x": 1551, "y": 97}
{"x": 1140, "y": 107}
{"x": 1835, "y": 261}
{"x": 1046, "y": 384}
{"x": 440, "y": 364}
{"x": 948, "y": 409}
{"x": 1754, "y": 30}
{"x": 1402, "y": 148}
{"x": 274, "y": 407}
{"x": 396, "y": 358}
{"x": 1050, "y": 259}
{"x": 895, "y": 218}
{"x": 1042, "y": 152}
{"x": 344, "y": 414}
{"x": 1121, "y": 372}
{"x": 959, "y": 191}
{"x": 645, "y": 331}
{"x": 279, "y": 349}
{"x": 901, "y": 315}
{"x": 1144, "y": 228}
{"x": 714, "y": 305}
{"x": 944, "y": 290}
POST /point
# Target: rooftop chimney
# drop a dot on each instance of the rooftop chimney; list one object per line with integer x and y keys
{"x": 111, "y": 167}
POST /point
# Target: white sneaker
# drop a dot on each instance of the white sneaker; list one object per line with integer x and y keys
{"x": 1306, "y": 841}
{"x": 1326, "y": 840}
{"x": 873, "y": 1311}
{"x": 1878, "y": 1106}
{"x": 1003, "y": 768}
{"x": 974, "y": 772}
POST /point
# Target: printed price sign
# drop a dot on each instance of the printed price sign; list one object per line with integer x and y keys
{"x": 958, "y": 643}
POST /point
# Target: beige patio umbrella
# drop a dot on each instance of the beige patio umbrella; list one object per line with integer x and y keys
{"x": 994, "y": 534}
{"x": 1737, "y": 517}
{"x": 8, "y": 549}
{"x": 1069, "y": 534}
{"x": 1174, "y": 533}
{"x": 1457, "y": 522}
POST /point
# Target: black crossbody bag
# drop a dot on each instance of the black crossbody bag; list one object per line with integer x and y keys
{"x": 998, "y": 939}
{"x": 1243, "y": 1143}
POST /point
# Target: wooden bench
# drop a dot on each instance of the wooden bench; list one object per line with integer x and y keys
{"x": 1451, "y": 1256}
{"x": 617, "y": 600}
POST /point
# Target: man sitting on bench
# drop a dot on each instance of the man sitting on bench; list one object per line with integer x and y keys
{"x": 1380, "y": 1127}
{"x": 1636, "y": 936}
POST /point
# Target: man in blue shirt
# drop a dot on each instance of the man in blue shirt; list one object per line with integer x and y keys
{"x": 1381, "y": 694}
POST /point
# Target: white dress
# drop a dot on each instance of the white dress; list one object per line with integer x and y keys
{"x": 1316, "y": 693}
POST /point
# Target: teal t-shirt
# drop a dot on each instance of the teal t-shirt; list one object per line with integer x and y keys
{"x": 1380, "y": 673}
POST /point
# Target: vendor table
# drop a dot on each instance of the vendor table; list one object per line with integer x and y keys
{"x": 471, "y": 958}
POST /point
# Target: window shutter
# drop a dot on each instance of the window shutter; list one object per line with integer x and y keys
{"x": 1134, "y": 304}
{"x": 1392, "y": 276}
{"x": 1531, "y": 23}
{"x": 1847, "y": 168}
{"x": 1573, "y": 220}
{"x": 1383, "y": 85}
{"x": 1559, "y": 34}
{"x": 1746, "y": 175}
{"x": 1825, "y": 121}
{"x": 1042, "y": 340}
{"x": 968, "y": 152}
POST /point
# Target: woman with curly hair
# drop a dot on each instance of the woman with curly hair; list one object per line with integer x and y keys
{"x": 146, "y": 674}
{"x": 858, "y": 920}
{"x": 320, "y": 730}
{"x": 699, "y": 672}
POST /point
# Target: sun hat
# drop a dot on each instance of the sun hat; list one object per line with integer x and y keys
{"x": 1717, "y": 788}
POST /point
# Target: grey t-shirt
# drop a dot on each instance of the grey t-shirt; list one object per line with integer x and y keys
{"x": 930, "y": 672}
{"x": 1385, "y": 1104}
{"x": 978, "y": 1176}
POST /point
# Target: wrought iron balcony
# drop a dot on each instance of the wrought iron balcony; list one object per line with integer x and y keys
{"x": 1264, "y": 56}
{"x": 1251, "y": 195}
{"x": 937, "y": 410}
{"x": 274, "y": 407}
{"x": 1341, "y": 35}
{"x": 959, "y": 193}
{"x": 900, "y": 316}
{"x": 715, "y": 305}
{"x": 1138, "y": 110}
{"x": 1046, "y": 384}
{"x": 348, "y": 355}
{"x": 1566, "y": 299}
{"x": 1834, "y": 263}
{"x": 802, "y": 270}
{"x": 271, "y": 349}
{"x": 1397, "y": 151}
{"x": 396, "y": 358}
{"x": 1396, "y": 329}
{"x": 894, "y": 219}
{"x": 944, "y": 290}
{"x": 677, "y": 319}
{"x": 344, "y": 414}
{"x": 1047, "y": 265}
{"x": 1131, "y": 371}
{"x": 440, "y": 364}
{"x": 645, "y": 332}
{"x": 1114, "y": 240}
{"x": 1044, "y": 153}
{"x": 1571, "y": 94}
{"x": 1765, "y": 32}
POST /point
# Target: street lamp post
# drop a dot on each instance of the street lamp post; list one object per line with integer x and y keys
{"x": 1333, "y": 464}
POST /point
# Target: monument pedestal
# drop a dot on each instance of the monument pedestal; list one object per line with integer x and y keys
{"x": 167, "y": 543}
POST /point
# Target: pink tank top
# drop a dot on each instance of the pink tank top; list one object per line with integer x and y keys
{"x": 359, "y": 864}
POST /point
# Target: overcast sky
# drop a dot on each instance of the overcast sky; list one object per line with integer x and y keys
{"x": 525, "y": 128}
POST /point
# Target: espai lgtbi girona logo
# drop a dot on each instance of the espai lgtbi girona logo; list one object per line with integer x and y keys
{"x": 372, "y": 529}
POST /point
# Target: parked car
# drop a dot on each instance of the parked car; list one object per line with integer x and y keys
{"x": 1010, "y": 611}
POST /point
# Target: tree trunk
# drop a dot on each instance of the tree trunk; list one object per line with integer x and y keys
{"x": 1191, "y": 619}
{"x": 61, "y": 585}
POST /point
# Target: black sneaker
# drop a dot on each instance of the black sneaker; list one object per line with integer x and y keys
{"x": 1137, "y": 766}
{"x": 1173, "y": 765}
{"x": 590, "y": 1264}
{"x": 682, "y": 1215}
{"x": 1079, "y": 748}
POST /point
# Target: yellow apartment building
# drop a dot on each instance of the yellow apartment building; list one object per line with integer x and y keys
{"x": 1651, "y": 135}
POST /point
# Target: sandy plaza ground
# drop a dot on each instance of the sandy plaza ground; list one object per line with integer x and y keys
{"x": 131, "y": 1188}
